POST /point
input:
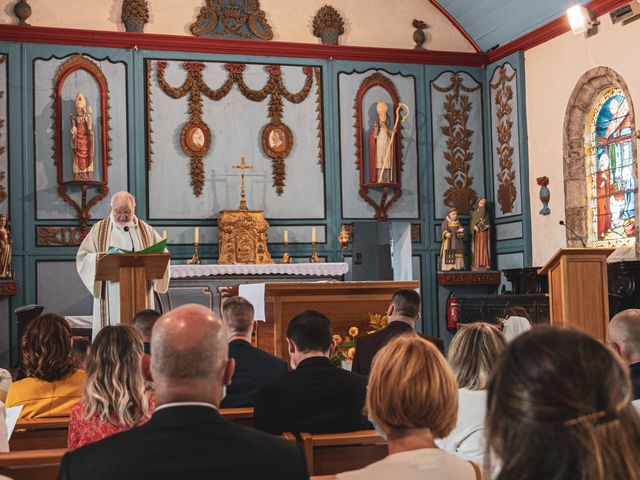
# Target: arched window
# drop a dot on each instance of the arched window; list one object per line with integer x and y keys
{"x": 610, "y": 167}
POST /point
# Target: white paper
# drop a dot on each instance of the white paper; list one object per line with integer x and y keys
{"x": 254, "y": 292}
{"x": 13, "y": 413}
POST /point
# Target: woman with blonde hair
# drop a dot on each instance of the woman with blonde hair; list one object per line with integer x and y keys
{"x": 412, "y": 400}
{"x": 114, "y": 396}
{"x": 53, "y": 379}
{"x": 559, "y": 408}
{"x": 473, "y": 354}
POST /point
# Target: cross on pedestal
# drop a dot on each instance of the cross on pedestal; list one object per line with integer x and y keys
{"x": 242, "y": 167}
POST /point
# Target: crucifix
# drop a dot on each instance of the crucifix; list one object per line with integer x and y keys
{"x": 243, "y": 167}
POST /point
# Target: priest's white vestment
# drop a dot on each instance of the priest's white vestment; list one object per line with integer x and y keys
{"x": 106, "y": 295}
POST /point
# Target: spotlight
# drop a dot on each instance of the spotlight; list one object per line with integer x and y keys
{"x": 582, "y": 20}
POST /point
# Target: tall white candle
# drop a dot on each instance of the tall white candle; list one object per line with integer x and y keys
{"x": 313, "y": 234}
{"x": 196, "y": 235}
{"x": 164, "y": 234}
{"x": 286, "y": 236}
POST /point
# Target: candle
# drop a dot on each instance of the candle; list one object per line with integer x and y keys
{"x": 164, "y": 234}
{"x": 313, "y": 234}
{"x": 286, "y": 236}
{"x": 196, "y": 235}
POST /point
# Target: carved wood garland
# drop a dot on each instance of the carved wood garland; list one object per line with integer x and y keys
{"x": 219, "y": 18}
{"x": 457, "y": 107}
{"x": 506, "y": 175}
{"x": 3, "y": 148}
{"x": 148, "y": 110}
{"x": 75, "y": 63}
{"x": 276, "y": 137}
{"x": 319, "y": 117}
{"x": 382, "y": 206}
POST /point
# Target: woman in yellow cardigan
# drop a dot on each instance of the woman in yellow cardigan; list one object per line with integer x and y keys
{"x": 53, "y": 380}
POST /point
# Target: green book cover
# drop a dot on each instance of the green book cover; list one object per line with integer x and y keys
{"x": 155, "y": 248}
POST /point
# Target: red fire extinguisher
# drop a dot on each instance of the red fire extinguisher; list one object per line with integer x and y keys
{"x": 453, "y": 311}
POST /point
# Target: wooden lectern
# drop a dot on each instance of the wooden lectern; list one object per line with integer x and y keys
{"x": 578, "y": 289}
{"x": 133, "y": 271}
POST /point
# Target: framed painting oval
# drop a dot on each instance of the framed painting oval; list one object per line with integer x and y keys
{"x": 277, "y": 140}
{"x": 195, "y": 138}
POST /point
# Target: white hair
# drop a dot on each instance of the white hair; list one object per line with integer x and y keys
{"x": 121, "y": 197}
{"x": 515, "y": 326}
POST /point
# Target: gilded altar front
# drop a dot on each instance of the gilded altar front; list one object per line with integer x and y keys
{"x": 242, "y": 236}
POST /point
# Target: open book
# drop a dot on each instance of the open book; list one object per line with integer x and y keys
{"x": 155, "y": 248}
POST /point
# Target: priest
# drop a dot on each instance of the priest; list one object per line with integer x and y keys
{"x": 122, "y": 229}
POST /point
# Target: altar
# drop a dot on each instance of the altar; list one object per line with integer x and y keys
{"x": 202, "y": 283}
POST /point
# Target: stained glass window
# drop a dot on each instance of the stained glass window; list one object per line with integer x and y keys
{"x": 611, "y": 180}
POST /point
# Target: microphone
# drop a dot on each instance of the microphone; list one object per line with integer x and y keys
{"x": 561, "y": 222}
{"x": 133, "y": 246}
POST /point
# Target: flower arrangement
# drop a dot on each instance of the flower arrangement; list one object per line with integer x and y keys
{"x": 328, "y": 25}
{"x": 345, "y": 346}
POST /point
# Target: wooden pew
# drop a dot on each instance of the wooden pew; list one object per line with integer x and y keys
{"x": 332, "y": 453}
{"x": 39, "y": 433}
{"x": 240, "y": 416}
{"x": 32, "y": 464}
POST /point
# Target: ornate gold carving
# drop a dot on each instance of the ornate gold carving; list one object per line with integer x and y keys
{"x": 8, "y": 288}
{"x": 60, "y": 236}
{"x": 415, "y": 233}
{"x": 328, "y": 25}
{"x": 3, "y": 149}
{"x": 219, "y": 18}
{"x": 506, "y": 175}
{"x": 149, "y": 109}
{"x": 242, "y": 236}
{"x": 319, "y": 115}
{"x": 460, "y": 194}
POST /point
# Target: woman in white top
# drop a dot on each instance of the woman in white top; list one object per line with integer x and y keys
{"x": 473, "y": 354}
{"x": 412, "y": 399}
{"x": 4, "y": 440}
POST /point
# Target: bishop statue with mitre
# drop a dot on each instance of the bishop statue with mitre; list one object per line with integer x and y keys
{"x": 123, "y": 230}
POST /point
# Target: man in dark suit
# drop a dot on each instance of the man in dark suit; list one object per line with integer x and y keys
{"x": 316, "y": 397}
{"x": 253, "y": 366}
{"x": 186, "y": 437}
{"x": 403, "y": 313}
{"x": 623, "y": 336}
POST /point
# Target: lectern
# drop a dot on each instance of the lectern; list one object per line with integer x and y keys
{"x": 134, "y": 271}
{"x": 578, "y": 289}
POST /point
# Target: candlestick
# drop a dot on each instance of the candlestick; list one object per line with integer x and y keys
{"x": 196, "y": 235}
{"x": 195, "y": 260}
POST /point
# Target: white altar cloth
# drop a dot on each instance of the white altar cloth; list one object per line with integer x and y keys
{"x": 308, "y": 269}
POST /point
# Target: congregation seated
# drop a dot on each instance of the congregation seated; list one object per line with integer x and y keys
{"x": 412, "y": 400}
{"x": 623, "y": 336}
{"x": 473, "y": 354}
{"x": 143, "y": 322}
{"x": 402, "y": 314}
{"x": 516, "y": 323}
{"x": 253, "y": 366}
{"x": 317, "y": 396}
{"x": 53, "y": 379}
{"x": 5, "y": 381}
{"x": 187, "y": 438}
{"x": 559, "y": 407}
{"x": 114, "y": 397}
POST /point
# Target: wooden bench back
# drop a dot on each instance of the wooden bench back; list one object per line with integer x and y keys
{"x": 39, "y": 433}
{"x": 32, "y": 464}
{"x": 332, "y": 453}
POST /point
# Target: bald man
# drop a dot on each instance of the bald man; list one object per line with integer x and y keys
{"x": 122, "y": 229}
{"x": 186, "y": 438}
{"x": 623, "y": 336}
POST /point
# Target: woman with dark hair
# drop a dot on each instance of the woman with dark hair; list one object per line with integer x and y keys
{"x": 559, "y": 408}
{"x": 114, "y": 396}
{"x": 53, "y": 380}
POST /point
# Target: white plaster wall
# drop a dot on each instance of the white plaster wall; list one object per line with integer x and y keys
{"x": 552, "y": 71}
{"x": 374, "y": 23}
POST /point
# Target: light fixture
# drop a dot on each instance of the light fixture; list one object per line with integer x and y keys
{"x": 582, "y": 20}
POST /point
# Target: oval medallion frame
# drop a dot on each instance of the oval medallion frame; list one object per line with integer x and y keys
{"x": 195, "y": 138}
{"x": 277, "y": 140}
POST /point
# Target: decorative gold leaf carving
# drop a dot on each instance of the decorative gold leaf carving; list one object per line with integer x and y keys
{"x": 506, "y": 175}
{"x": 60, "y": 236}
{"x": 319, "y": 119}
{"x": 457, "y": 108}
{"x": 219, "y": 18}
{"x": 149, "y": 109}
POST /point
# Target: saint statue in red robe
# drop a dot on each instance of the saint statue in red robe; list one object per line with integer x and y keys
{"x": 82, "y": 140}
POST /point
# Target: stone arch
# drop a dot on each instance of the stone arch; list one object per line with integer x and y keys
{"x": 592, "y": 84}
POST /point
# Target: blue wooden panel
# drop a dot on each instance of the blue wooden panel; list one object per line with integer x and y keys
{"x": 236, "y": 125}
{"x": 496, "y": 22}
{"x": 508, "y": 231}
{"x": 77, "y": 300}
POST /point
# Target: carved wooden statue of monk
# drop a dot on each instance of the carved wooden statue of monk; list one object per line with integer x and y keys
{"x": 381, "y": 154}
{"x": 452, "y": 250}
{"x": 82, "y": 140}
{"x": 5, "y": 248}
{"x": 480, "y": 243}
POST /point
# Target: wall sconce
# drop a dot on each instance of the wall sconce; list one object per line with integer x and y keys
{"x": 582, "y": 20}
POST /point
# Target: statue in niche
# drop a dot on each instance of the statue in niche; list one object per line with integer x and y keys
{"x": 480, "y": 237}
{"x": 381, "y": 151}
{"x": 452, "y": 250}
{"x": 5, "y": 248}
{"x": 82, "y": 140}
